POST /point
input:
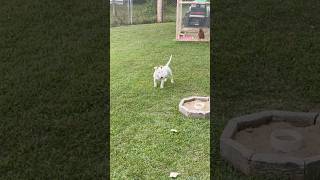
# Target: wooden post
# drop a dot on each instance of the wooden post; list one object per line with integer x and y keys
{"x": 159, "y": 11}
{"x": 178, "y": 19}
{"x": 131, "y": 6}
{"x": 128, "y": 11}
{"x": 113, "y": 8}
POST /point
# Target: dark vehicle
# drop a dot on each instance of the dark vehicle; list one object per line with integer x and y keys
{"x": 198, "y": 15}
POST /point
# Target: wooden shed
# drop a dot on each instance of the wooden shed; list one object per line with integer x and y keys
{"x": 193, "y": 20}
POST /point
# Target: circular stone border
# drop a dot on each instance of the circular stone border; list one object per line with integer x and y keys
{"x": 194, "y": 113}
{"x": 254, "y": 163}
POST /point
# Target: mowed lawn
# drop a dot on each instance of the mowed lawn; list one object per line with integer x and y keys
{"x": 266, "y": 57}
{"x": 142, "y": 145}
{"x": 52, "y": 88}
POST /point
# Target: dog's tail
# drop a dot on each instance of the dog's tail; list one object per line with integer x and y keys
{"x": 169, "y": 61}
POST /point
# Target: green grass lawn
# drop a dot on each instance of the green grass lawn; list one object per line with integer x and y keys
{"x": 266, "y": 57}
{"x": 142, "y": 146}
{"x": 52, "y": 85}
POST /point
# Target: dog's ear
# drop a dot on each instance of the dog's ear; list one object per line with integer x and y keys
{"x": 155, "y": 67}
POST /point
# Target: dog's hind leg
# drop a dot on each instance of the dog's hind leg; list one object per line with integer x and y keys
{"x": 171, "y": 76}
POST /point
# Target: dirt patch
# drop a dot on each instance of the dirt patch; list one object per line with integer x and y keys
{"x": 199, "y": 105}
{"x": 258, "y": 139}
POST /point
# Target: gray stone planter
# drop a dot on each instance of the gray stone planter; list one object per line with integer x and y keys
{"x": 251, "y": 162}
{"x": 197, "y": 111}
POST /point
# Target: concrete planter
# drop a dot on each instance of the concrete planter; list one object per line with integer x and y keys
{"x": 252, "y": 162}
{"x": 198, "y": 110}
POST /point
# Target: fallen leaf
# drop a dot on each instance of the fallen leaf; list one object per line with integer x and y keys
{"x": 173, "y": 130}
{"x": 174, "y": 174}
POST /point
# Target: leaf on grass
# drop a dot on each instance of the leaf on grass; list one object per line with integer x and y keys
{"x": 174, "y": 174}
{"x": 173, "y": 130}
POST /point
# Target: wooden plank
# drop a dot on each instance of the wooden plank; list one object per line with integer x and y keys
{"x": 194, "y": 40}
{"x": 188, "y": 29}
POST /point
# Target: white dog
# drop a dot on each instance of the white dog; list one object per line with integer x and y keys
{"x": 161, "y": 74}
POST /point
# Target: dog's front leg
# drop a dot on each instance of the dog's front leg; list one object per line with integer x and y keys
{"x": 161, "y": 84}
{"x": 154, "y": 83}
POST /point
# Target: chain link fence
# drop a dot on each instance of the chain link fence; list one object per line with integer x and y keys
{"x": 124, "y": 12}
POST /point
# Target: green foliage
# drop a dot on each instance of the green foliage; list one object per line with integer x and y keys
{"x": 151, "y": 7}
{"x": 266, "y": 57}
{"x": 143, "y": 13}
{"x": 52, "y": 85}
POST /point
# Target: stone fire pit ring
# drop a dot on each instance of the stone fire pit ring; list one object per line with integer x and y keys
{"x": 195, "y": 106}
{"x": 280, "y": 164}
